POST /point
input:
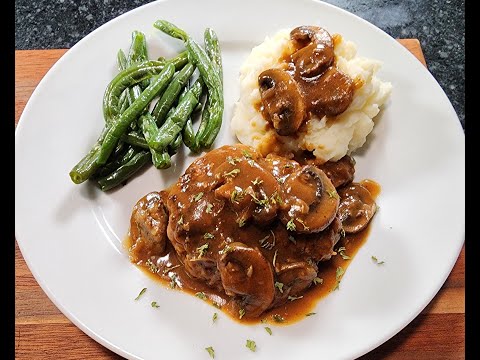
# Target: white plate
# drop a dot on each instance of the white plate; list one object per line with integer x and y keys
{"x": 71, "y": 235}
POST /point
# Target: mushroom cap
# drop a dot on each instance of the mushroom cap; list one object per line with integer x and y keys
{"x": 357, "y": 207}
{"x": 283, "y": 104}
{"x": 245, "y": 272}
{"x": 315, "y": 202}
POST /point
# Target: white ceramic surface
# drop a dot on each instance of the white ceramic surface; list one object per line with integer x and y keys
{"x": 71, "y": 235}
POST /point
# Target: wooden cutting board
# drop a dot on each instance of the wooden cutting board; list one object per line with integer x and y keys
{"x": 43, "y": 332}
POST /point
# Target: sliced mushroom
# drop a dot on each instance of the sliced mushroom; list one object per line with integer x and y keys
{"x": 246, "y": 273}
{"x": 297, "y": 276}
{"x": 357, "y": 207}
{"x": 314, "y": 201}
{"x": 283, "y": 104}
{"x": 339, "y": 172}
{"x": 303, "y": 35}
{"x": 332, "y": 93}
{"x": 148, "y": 227}
{"x": 315, "y": 52}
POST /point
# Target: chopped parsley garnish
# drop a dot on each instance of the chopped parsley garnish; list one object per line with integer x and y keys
{"x": 310, "y": 314}
{"x": 268, "y": 330}
{"x": 246, "y": 154}
{"x": 264, "y": 202}
{"x": 375, "y": 260}
{"x": 154, "y": 304}
{"x": 338, "y": 275}
{"x": 251, "y": 345}
{"x": 167, "y": 270}
{"x": 257, "y": 181}
{"x": 279, "y": 286}
{"x": 291, "y": 225}
{"x": 236, "y": 196}
{"x": 276, "y": 199}
{"x": 201, "y": 295}
{"x": 241, "y": 313}
{"x": 214, "y": 317}
{"x": 197, "y": 197}
{"x": 180, "y": 220}
{"x": 152, "y": 267}
{"x": 288, "y": 166}
{"x": 208, "y": 236}
{"x": 341, "y": 251}
{"x": 263, "y": 321}
{"x": 202, "y": 250}
{"x": 317, "y": 281}
{"x": 226, "y": 250}
{"x": 278, "y": 318}
{"x": 217, "y": 305}
{"x": 211, "y": 352}
{"x": 233, "y": 161}
{"x": 333, "y": 194}
{"x": 141, "y": 293}
{"x": 342, "y": 232}
{"x": 292, "y": 298}
{"x": 241, "y": 222}
{"x": 173, "y": 281}
{"x": 209, "y": 208}
{"x": 233, "y": 173}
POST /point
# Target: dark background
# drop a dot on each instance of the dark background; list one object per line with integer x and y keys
{"x": 438, "y": 24}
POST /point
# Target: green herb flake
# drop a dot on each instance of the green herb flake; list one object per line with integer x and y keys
{"x": 241, "y": 222}
{"x": 375, "y": 260}
{"x": 241, "y": 313}
{"x": 342, "y": 232}
{"x": 310, "y": 314}
{"x": 291, "y": 225}
{"x": 251, "y": 345}
{"x": 278, "y": 318}
{"x": 293, "y": 298}
{"x": 202, "y": 250}
{"x": 263, "y": 202}
{"x": 152, "y": 267}
{"x": 279, "y": 286}
{"x": 246, "y": 154}
{"x": 211, "y": 352}
{"x": 339, "y": 273}
{"x": 288, "y": 166}
{"x": 233, "y": 173}
{"x": 173, "y": 281}
{"x": 236, "y": 196}
{"x": 197, "y": 197}
{"x": 208, "y": 236}
{"x": 214, "y": 317}
{"x": 333, "y": 194}
{"x": 344, "y": 256}
{"x": 141, "y": 293}
{"x": 257, "y": 181}
{"x": 232, "y": 161}
{"x": 217, "y": 305}
{"x": 180, "y": 220}
{"x": 276, "y": 199}
{"x": 317, "y": 281}
{"x": 226, "y": 250}
{"x": 268, "y": 330}
{"x": 201, "y": 295}
{"x": 209, "y": 208}
{"x": 154, "y": 304}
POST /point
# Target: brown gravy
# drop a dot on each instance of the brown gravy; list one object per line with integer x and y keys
{"x": 169, "y": 271}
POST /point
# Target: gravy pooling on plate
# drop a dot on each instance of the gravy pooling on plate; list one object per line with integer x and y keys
{"x": 254, "y": 235}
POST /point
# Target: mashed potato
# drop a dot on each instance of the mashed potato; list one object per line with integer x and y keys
{"x": 329, "y": 140}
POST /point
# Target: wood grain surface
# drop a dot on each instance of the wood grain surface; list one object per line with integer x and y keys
{"x": 43, "y": 332}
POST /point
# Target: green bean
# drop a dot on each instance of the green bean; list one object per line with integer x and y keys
{"x": 212, "y": 48}
{"x": 138, "y": 53}
{"x": 161, "y": 159}
{"x": 124, "y": 172}
{"x": 149, "y": 128}
{"x": 176, "y": 121}
{"x": 131, "y": 76}
{"x": 133, "y": 138}
{"x": 122, "y": 61}
{"x": 209, "y": 74}
{"x": 118, "y": 161}
{"x": 175, "y": 144}
{"x": 88, "y": 165}
{"x": 120, "y": 125}
{"x": 188, "y": 136}
{"x": 171, "y": 93}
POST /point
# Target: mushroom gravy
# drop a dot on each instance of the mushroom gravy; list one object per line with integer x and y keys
{"x": 258, "y": 237}
{"x": 308, "y": 82}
